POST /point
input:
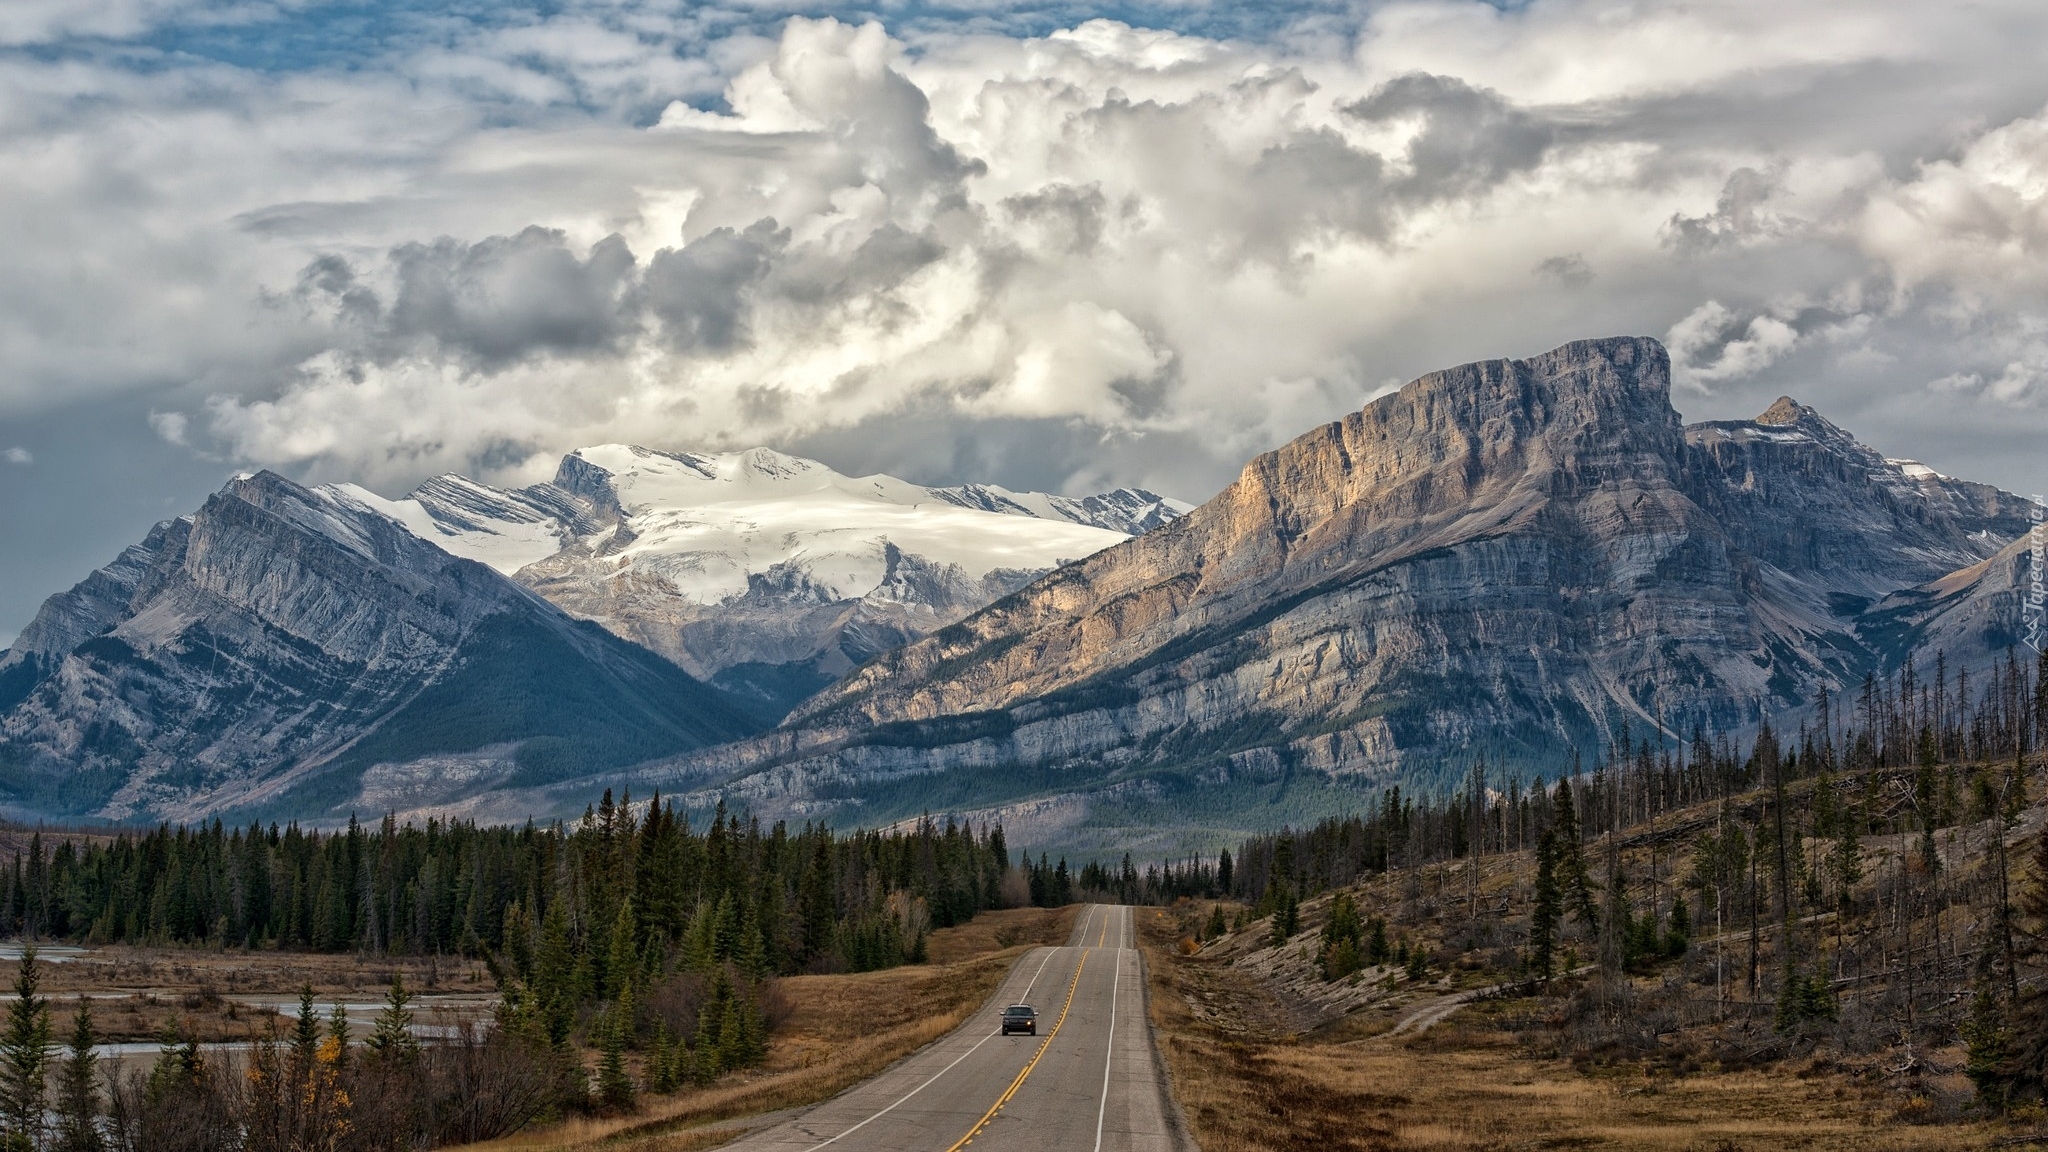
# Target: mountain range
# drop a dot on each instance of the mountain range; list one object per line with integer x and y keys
{"x": 298, "y": 652}
{"x": 1512, "y": 559}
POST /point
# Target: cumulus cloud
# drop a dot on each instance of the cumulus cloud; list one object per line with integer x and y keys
{"x": 18, "y": 455}
{"x": 171, "y": 427}
{"x": 1073, "y": 256}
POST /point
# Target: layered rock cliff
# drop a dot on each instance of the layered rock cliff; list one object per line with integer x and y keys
{"x": 1509, "y": 559}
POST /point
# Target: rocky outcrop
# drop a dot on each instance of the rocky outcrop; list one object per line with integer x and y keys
{"x": 1804, "y": 497}
{"x": 267, "y": 651}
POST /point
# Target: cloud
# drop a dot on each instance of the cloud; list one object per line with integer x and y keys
{"x": 1079, "y": 255}
{"x": 18, "y": 455}
{"x": 170, "y": 426}
{"x": 1570, "y": 271}
{"x": 1712, "y": 344}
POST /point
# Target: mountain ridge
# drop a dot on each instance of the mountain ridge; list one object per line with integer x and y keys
{"x": 244, "y": 651}
{"x": 1508, "y": 559}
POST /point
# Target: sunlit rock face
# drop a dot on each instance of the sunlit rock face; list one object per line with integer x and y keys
{"x": 1507, "y": 559}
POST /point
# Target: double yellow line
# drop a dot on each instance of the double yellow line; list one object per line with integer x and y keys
{"x": 989, "y": 1115}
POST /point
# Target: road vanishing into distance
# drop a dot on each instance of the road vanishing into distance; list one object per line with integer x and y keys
{"x": 1090, "y": 1080}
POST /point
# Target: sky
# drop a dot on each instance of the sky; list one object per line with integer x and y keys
{"x": 1051, "y": 246}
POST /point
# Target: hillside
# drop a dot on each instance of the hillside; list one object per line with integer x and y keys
{"x": 1778, "y": 949}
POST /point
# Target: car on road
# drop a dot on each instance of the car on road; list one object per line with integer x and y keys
{"x": 1020, "y": 1018}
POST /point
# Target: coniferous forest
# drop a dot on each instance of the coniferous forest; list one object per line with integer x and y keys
{"x": 1846, "y": 881}
{"x": 632, "y": 931}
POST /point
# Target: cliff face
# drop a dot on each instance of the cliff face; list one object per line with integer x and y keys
{"x": 273, "y": 647}
{"x": 1507, "y": 559}
{"x": 1484, "y": 554}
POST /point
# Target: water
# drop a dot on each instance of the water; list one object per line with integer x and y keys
{"x": 46, "y": 953}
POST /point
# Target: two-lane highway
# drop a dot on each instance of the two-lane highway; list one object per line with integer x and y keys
{"x": 1090, "y": 1080}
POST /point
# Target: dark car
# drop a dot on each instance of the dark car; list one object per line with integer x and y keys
{"x": 1020, "y": 1018}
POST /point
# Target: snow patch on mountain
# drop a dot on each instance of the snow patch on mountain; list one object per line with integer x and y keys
{"x": 708, "y": 524}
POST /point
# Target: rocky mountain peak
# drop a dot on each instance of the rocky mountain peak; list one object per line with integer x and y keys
{"x": 1785, "y": 410}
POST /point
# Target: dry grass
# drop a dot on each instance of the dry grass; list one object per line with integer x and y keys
{"x": 995, "y": 931}
{"x": 138, "y": 991}
{"x": 1471, "y": 1085}
{"x": 840, "y": 1030}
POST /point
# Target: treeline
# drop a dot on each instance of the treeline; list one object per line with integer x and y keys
{"x": 633, "y": 931}
{"x": 1902, "y": 722}
{"x": 801, "y": 899}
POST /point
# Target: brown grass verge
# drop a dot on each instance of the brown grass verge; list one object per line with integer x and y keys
{"x": 1470, "y": 1084}
{"x": 840, "y": 1031}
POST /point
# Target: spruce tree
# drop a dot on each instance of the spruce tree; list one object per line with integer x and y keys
{"x": 78, "y": 1093}
{"x": 1341, "y": 938}
{"x": 1543, "y": 918}
{"x": 2025, "y": 1065}
{"x": 392, "y": 1038}
{"x": 306, "y": 1032}
{"x": 338, "y": 1036}
{"x": 614, "y": 1086}
{"x": 1571, "y": 858}
{"x": 817, "y": 902}
{"x": 25, "y": 1060}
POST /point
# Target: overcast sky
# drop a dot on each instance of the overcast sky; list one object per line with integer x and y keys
{"x": 1048, "y": 246}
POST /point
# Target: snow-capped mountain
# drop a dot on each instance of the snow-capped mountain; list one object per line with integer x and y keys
{"x": 292, "y": 651}
{"x": 767, "y": 573}
{"x": 307, "y": 651}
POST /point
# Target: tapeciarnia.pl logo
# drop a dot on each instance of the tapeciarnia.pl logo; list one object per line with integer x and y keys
{"x": 2037, "y": 567}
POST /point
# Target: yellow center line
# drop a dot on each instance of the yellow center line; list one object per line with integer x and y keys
{"x": 989, "y": 1115}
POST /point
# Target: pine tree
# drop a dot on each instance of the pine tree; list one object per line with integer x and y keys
{"x": 1286, "y": 916}
{"x": 1989, "y": 1042}
{"x": 1847, "y": 858}
{"x": 817, "y": 903}
{"x": 24, "y": 1060}
{"x": 1678, "y": 935}
{"x": 1571, "y": 857}
{"x": 657, "y": 1077}
{"x": 614, "y": 1086}
{"x": 1543, "y": 918}
{"x": 78, "y": 1093}
{"x": 1341, "y": 935}
{"x": 2025, "y": 1069}
{"x": 622, "y": 956}
{"x": 392, "y": 1039}
{"x": 306, "y": 1033}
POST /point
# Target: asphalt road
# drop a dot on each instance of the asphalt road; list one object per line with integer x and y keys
{"x": 1090, "y": 1080}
